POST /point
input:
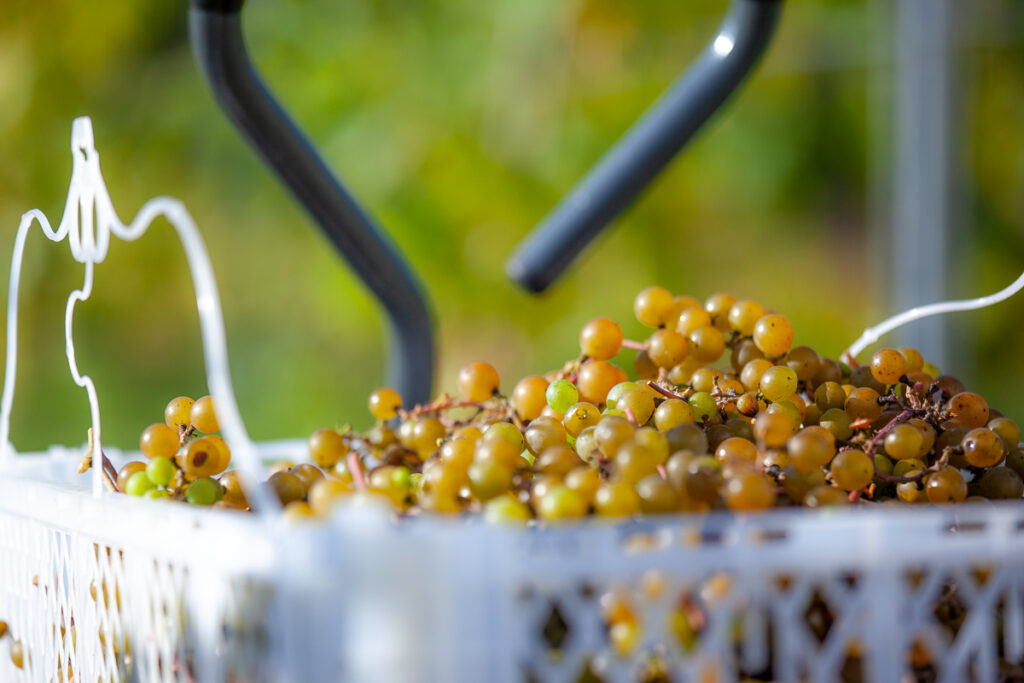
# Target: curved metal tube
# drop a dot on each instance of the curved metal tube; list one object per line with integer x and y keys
{"x": 616, "y": 180}
{"x": 219, "y": 49}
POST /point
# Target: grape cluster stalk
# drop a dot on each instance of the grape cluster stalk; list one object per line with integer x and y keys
{"x": 719, "y": 412}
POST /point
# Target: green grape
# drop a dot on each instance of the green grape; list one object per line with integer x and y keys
{"x": 204, "y": 491}
{"x": 401, "y": 478}
{"x": 703, "y": 405}
{"x": 618, "y": 390}
{"x": 884, "y": 465}
{"x": 156, "y": 494}
{"x": 160, "y": 471}
{"x": 672, "y": 413}
{"x": 478, "y": 381}
{"x": 667, "y": 348}
{"x": 778, "y": 383}
{"x": 579, "y": 417}
{"x": 561, "y": 395}
{"x": 506, "y": 510}
{"x": 138, "y": 484}
{"x": 600, "y": 339}
{"x": 384, "y": 403}
{"x": 561, "y": 502}
{"x": 887, "y": 366}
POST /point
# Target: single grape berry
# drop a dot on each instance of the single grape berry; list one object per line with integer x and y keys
{"x": 743, "y": 316}
{"x": 601, "y": 338}
{"x": 528, "y": 397}
{"x": 160, "y": 470}
{"x": 159, "y": 441}
{"x": 327, "y": 447}
{"x": 969, "y": 409}
{"x": 778, "y": 382}
{"x": 579, "y": 417}
{"x": 667, "y": 348}
{"x": 204, "y": 417}
{"x": 478, "y": 381}
{"x": 203, "y": 491}
{"x": 691, "y": 319}
{"x": 888, "y": 365}
{"x": 596, "y": 378}
{"x": 138, "y": 484}
{"x": 773, "y": 334}
{"x": 707, "y": 344}
{"x": 703, "y": 405}
{"x": 652, "y": 306}
{"x": 852, "y": 470}
{"x": 177, "y": 414}
{"x": 384, "y": 403}
{"x": 561, "y": 395}
{"x": 982, "y": 447}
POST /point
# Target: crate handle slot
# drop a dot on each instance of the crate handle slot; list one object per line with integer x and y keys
{"x": 644, "y": 151}
{"x": 219, "y": 49}
{"x": 88, "y": 222}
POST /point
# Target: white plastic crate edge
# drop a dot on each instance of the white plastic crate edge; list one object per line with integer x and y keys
{"x": 88, "y": 222}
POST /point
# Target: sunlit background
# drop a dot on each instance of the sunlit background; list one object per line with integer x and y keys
{"x": 459, "y": 124}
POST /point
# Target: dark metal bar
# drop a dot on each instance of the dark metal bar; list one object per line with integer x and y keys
{"x": 218, "y": 45}
{"x": 616, "y": 180}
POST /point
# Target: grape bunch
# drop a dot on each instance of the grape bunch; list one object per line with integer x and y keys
{"x": 720, "y": 412}
{"x": 184, "y": 458}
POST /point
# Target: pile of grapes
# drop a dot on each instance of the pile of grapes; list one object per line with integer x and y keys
{"x": 724, "y": 413}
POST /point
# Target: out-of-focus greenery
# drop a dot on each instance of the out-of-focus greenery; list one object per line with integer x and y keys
{"x": 460, "y": 124}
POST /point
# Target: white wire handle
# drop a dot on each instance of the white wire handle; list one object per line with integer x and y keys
{"x": 872, "y": 334}
{"x": 89, "y": 240}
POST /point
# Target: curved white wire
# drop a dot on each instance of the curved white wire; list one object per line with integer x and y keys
{"x": 872, "y": 334}
{"x": 88, "y": 221}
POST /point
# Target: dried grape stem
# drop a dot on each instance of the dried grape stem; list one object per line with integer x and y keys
{"x": 663, "y": 391}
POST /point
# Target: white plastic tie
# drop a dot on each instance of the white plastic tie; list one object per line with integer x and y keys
{"x": 89, "y": 220}
{"x": 872, "y": 334}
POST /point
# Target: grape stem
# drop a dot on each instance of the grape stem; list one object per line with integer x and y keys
{"x": 635, "y": 345}
{"x": 663, "y": 391}
{"x": 355, "y": 466}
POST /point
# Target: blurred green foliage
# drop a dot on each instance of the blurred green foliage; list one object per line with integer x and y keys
{"x": 460, "y": 124}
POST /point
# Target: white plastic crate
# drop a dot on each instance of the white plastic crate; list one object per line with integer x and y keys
{"x": 102, "y": 587}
